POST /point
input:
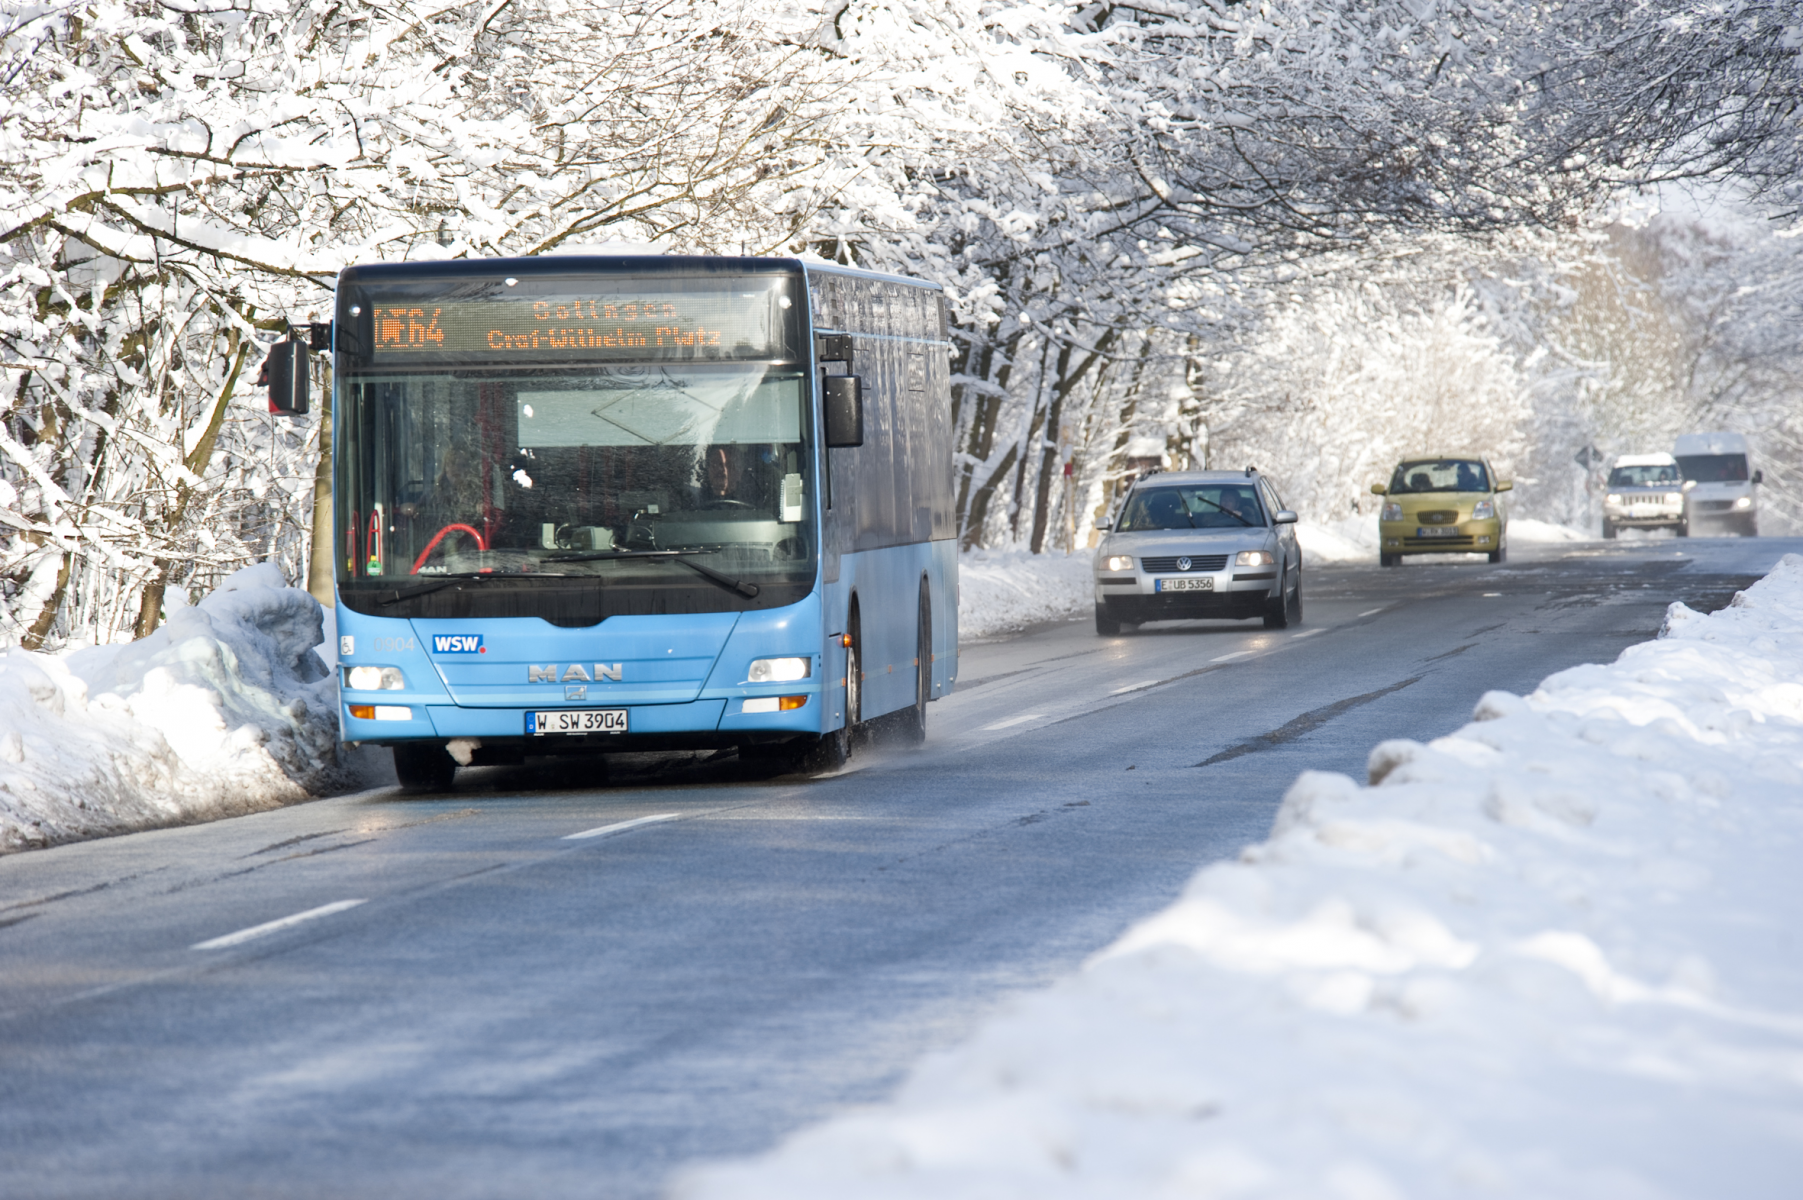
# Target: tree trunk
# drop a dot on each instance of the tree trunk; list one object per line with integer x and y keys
{"x": 40, "y": 626}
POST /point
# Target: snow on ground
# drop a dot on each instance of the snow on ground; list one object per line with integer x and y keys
{"x": 1526, "y": 529}
{"x": 1350, "y": 539}
{"x": 225, "y": 709}
{"x": 1551, "y": 955}
{"x": 1002, "y": 590}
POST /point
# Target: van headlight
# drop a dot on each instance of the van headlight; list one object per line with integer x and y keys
{"x": 1743, "y": 502}
{"x": 374, "y": 679}
{"x": 1254, "y": 558}
{"x": 1484, "y": 510}
{"x": 779, "y": 670}
{"x": 1391, "y": 512}
{"x": 1117, "y": 562}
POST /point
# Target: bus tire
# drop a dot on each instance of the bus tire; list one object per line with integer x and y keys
{"x": 915, "y": 718}
{"x": 424, "y": 767}
{"x": 833, "y": 750}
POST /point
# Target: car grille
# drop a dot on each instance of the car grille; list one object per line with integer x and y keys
{"x": 1450, "y": 543}
{"x": 1197, "y": 562}
{"x": 1439, "y": 517}
{"x": 1712, "y": 505}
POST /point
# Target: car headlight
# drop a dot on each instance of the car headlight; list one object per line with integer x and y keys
{"x": 1673, "y": 497}
{"x": 1392, "y": 512}
{"x": 1744, "y": 502}
{"x": 779, "y": 670}
{"x": 1117, "y": 562}
{"x": 1253, "y": 558}
{"x": 1612, "y": 498}
{"x": 1484, "y": 510}
{"x": 374, "y": 679}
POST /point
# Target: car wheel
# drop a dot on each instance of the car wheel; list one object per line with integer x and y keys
{"x": 1608, "y": 530}
{"x": 1683, "y": 529}
{"x": 1106, "y": 625}
{"x": 1296, "y": 602}
{"x": 1388, "y": 560}
{"x": 425, "y": 767}
{"x": 1751, "y": 528}
{"x": 1500, "y": 554}
{"x": 1277, "y": 613}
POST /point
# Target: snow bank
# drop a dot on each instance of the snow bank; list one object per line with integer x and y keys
{"x": 1551, "y": 955}
{"x": 1525, "y": 529}
{"x": 1000, "y": 590}
{"x": 223, "y": 710}
{"x": 1350, "y": 539}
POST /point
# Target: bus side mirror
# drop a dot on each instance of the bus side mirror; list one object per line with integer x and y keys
{"x": 844, "y": 411}
{"x": 288, "y": 376}
{"x": 1378, "y": 489}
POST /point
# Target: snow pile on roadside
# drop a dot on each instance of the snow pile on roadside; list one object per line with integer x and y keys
{"x": 223, "y": 710}
{"x": 1000, "y": 590}
{"x": 1526, "y": 529}
{"x": 1551, "y": 955}
{"x": 1350, "y": 539}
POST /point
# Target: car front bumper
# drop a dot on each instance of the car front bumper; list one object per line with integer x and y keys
{"x": 1466, "y": 537}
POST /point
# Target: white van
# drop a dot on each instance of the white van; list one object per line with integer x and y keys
{"x": 1718, "y": 483}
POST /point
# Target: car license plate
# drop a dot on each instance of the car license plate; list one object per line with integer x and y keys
{"x": 1443, "y": 531}
{"x": 1204, "y": 583}
{"x": 576, "y": 720}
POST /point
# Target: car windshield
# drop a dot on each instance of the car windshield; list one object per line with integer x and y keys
{"x": 1714, "y": 468}
{"x": 1192, "y": 506}
{"x": 1440, "y": 475}
{"x": 1643, "y": 476}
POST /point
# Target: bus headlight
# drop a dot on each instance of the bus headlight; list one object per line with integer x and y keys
{"x": 374, "y": 679}
{"x": 1484, "y": 510}
{"x": 1254, "y": 558}
{"x": 1117, "y": 562}
{"x": 1391, "y": 512}
{"x": 779, "y": 670}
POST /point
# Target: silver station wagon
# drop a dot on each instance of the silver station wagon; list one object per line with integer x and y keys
{"x": 1199, "y": 544}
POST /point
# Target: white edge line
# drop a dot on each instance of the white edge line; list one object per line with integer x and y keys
{"x": 1234, "y": 655}
{"x": 619, "y": 826}
{"x": 1378, "y": 609}
{"x": 1307, "y": 633}
{"x": 257, "y": 931}
{"x": 1134, "y": 687}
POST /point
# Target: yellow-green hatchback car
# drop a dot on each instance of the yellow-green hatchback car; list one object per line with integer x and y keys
{"x": 1450, "y": 505}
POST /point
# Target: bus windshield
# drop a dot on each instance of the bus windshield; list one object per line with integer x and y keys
{"x": 612, "y": 475}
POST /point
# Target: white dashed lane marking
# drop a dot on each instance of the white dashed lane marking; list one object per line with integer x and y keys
{"x": 257, "y": 931}
{"x": 619, "y": 827}
{"x": 1020, "y": 720}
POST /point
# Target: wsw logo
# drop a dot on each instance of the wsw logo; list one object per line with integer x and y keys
{"x": 457, "y": 643}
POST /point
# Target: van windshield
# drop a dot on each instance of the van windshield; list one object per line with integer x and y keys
{"x": 1714, "y": 468}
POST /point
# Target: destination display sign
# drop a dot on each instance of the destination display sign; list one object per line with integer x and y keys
{"x": 735, "y": 321}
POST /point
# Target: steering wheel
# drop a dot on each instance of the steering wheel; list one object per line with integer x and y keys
{"x": 726, "y": 502}
{"x": 481, "y": 543}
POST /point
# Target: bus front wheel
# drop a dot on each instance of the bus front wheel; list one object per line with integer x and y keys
{"x": 424, "y": 767}
{"x": 832, "y": 750}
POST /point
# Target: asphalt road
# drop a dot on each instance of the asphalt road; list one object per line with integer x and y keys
{"x": 507, "y": 1011}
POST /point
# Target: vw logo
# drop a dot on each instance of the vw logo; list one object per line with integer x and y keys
{"x": 1183, "y": 564}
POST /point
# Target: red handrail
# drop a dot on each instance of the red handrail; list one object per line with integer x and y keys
{"x": 432, "y": 545}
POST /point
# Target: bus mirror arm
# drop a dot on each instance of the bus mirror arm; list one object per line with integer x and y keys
{"x": 844, "y": 405}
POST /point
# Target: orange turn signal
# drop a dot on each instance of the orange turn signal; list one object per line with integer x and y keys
{"x": 791, "y": 702}
{"x": 845, "y": 640}
{"x": 364, "y": 712}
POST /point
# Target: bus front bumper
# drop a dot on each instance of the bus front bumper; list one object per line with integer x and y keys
{"x": 697, "y": 723}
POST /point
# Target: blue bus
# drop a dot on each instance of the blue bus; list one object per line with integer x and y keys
{"x": 599, "y": 504}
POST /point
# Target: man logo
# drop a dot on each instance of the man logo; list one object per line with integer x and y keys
{"x": 604, "y": 672}
{"x": 457, "y": 643}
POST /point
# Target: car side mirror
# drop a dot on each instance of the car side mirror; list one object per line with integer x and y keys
{"x": 1105, "y": 526}
{"x": 1378, "y": 489}
{"x": 1283, "y": 516}
{"x": 1689, "y": 484}
{"x": 1506, "y": 485}
{"x": 844, "y": 404}
{"x": 286, "y": 371}
{"x": 1759, "y": 477}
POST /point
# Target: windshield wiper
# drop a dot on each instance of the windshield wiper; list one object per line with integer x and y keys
{"x": 680, "y": 557}
{"x": 1218, "y": 508}
{"x": 444, "y": 581}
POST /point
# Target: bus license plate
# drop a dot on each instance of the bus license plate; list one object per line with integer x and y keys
{"x": 576, "y": 720}
{"x": 1443, "y": 531}
{"x": 1205, "y": 583}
